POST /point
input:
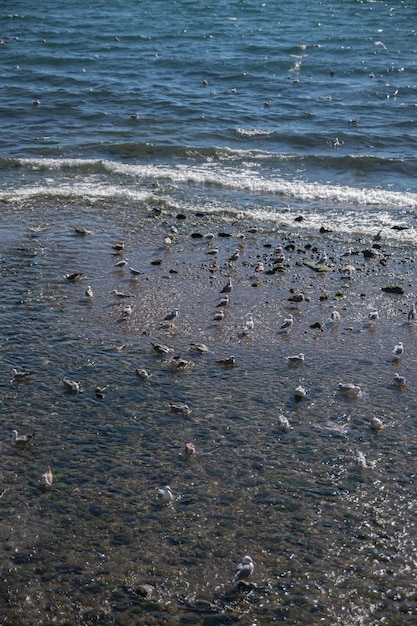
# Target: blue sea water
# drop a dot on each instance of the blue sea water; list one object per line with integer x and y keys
{"x": 228, "y": 105}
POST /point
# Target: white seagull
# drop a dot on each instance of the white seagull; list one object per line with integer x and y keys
{"x": 71, "y": 385}
{"x": 249, "y": 325}
{"x": 399, "y": 381}
{"x": 397, "y": 351}
{"x": 349, "y": 389}
{"x": 412, "y": 313}
{"x": 142, "y": 373}
{"x": 244, "y": 569}
{"x": 166, "y": 494}
{"x": 47, "y": 478}
{"x": 181, "y": 409}
{"x": 283, "y": 423}
{"x": 228, "y": 287}
{"x": 287, "y": 323}
{"x": 161, "y": 348}
{"x": 376, "y": 424}
{"x": 223, "y": 301}
{"x": 171, "y": 316}
{"x": 20, "y": 440}
{"x": 295, "y": 358}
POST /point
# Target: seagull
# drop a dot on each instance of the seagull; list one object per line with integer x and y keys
{"x": 127, "y": 311}
{"x": 228, "y": 287}
{"x": 249, "y": 325}
{"x": 178, "y": 363}
{"x": 412, "y": 313}
{"x": 296, "y": 358}
{"x": 399, "y": 381}
{"x": 287, "y": 323}
{"x": 299, "y": 392}
{"x": 397, "y": 351}
{"x": 71, "y": 385}
{"x": 360, "y": 460}
{"x": 336, "y": 317}
{"x": 349, "y": 389}
{"x": 135, "y": 272}
{"x": 74, "y": 276}
{"x": 20, "y": 374}
{"x": 259, "y": 267}
{"x": 212, "y": 251}
{"x": 161, "y": 348}
{"x": 82, "y": 231}
{"x": 20, "y": 440}
{"x": 189, "y": 449}
{"x": 200, "y": 347}
{"x": 180, "y": 409}
{"x": 217, "y": 317}
{"x": 229, "y": 361}
{"x": 171, "y": 316}
{"x": 122, "y": 294}
{"x": 323, "y": 259}
{"x": 373, "y": 316}
{"x": 121, "y": 264}
{"x": 223, "y": 301}
{"x": 89, "y": 292}
{"x": 119, "y": 246}
{"x": 376, "y": 424}
{"x": 283, "y": 423}
{"x": 47, "y": 478}
{"x": 165, "y": 494}
{"x": 244, "y": 569}
{"x": 142, "y": 373}
{"x": 348, "y": 271}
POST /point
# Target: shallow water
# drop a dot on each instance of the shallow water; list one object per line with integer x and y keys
{"x": 332, "y": 543}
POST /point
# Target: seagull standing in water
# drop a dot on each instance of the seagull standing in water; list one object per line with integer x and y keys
{"x": 399, "y": 381}
{"x": 287, "y": 323}
{"x": 397, "y": 351}
{"x": 171, "y": 316}
{"x": 228, "y": 287}
{"x": 47, "y": 478}
{"x": 412, "y": 313}
{"x": 244, "y": 569}
{"x": 166, "y": 494}
{"x": 249, "y": 325}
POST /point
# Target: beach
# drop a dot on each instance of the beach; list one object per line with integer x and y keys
{"x": 99, "y": 544}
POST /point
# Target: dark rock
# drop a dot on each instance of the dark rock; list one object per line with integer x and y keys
{"x": 393, "y": 289}
{"x": 370, "y": 254}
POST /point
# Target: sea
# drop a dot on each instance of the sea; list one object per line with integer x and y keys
{"x": 293, "y": 116}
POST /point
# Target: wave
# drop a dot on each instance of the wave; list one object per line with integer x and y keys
{"x": 105, "y": 178}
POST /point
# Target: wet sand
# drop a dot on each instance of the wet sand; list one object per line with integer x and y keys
{"x": 294, "y": 500}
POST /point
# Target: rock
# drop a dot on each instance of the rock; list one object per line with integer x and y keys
{"x": 393, "y": 289}
{"x": 370, "y": 254}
